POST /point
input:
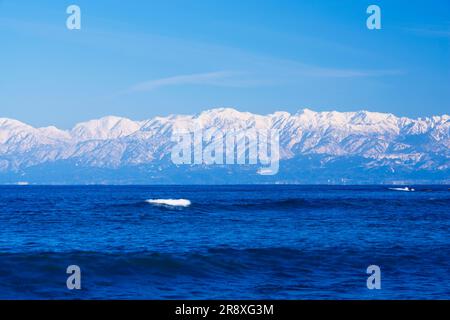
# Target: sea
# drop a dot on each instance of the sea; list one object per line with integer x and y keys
{"x": 225, "y": 242}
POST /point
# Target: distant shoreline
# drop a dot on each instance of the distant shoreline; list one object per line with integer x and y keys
{"x": 224, "y": 185}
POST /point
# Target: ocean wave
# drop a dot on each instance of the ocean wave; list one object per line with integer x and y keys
{"x": 406, "y": 189}
{"x": 259, "y": 272}
{"x": 170, "y": 202}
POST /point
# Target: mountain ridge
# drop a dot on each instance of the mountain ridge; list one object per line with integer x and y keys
{"x": 380, "y": 141}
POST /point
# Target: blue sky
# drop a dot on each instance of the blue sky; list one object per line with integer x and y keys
{"x": 144, "y": 58}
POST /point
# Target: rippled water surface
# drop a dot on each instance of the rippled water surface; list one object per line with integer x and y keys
{"x": 230, "y": 242}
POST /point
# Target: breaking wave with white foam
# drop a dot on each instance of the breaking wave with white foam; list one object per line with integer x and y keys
{"x": 406, "y": 189}
{"x": 170, "y": 202}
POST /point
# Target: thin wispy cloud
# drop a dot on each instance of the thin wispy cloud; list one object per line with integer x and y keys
{"x": 217, "y": 78}
{"x": 278, "y": 76}
{"x": 210, "y": 78}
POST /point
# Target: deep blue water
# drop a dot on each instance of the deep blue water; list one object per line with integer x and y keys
{"x": 233, "y": 242}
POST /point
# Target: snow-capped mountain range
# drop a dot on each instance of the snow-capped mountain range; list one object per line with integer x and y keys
{"x": 315, "y": 147}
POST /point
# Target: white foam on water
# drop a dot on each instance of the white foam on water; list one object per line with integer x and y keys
{"x": 170, "y": 202}
{"x": 403, "y": 189}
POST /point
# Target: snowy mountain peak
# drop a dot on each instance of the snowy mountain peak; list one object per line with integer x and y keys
{"x": 11, "y": 123}
{"x": 225, "y": 113}
{"x": 306, "y": 111}
{"x": 109, "y": 127}
{"x": 10, "y": 128}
